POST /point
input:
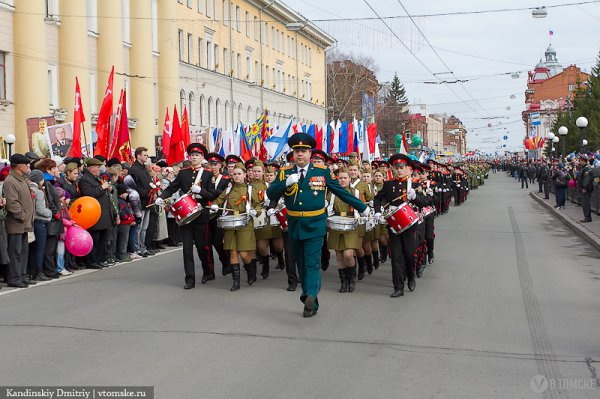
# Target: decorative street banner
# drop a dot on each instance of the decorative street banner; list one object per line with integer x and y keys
{"x": 535, "y": 118}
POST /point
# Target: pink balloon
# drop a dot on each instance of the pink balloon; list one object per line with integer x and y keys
{"x": 572, "y": 183}
{"x": 78, "y": 241}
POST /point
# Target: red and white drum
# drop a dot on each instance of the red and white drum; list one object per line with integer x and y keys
{"x": 426, "y": 211}
{"x": 186, "y": 209}
{"x": 281, "y": 216}
{"x": 401, "y": 218}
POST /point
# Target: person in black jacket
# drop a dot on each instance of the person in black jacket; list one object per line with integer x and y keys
{"x": 92, "y": 185}
{"x": 585, "y": 185}
{"x": 142, "y": 180}
{"x": 198, "y": 182}
{"x": 403, "y": 246}
{"x": 523, "y": 176}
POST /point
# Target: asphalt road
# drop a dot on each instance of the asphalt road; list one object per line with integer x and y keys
{"x": 512, "y": 295}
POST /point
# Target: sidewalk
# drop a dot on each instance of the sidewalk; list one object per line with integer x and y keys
{"x": 571, "y": 216}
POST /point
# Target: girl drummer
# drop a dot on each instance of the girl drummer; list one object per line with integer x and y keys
{"x": 371, "y": 238}
{"x": 378, "y": 179}
{"x": 363, "y": 254}
{"x": 241, "y": 242}
{"x": 345, "y": 243}
{"x": 266, "y": 233}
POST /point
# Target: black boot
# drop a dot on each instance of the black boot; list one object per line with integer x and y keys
{"x": 343, "y": 280}
{"x": 419, "y": 271}
{"x": 265, "y": 267}
{"x": 280, "y": 261}
{"x": 384, "y": 253}
{"x": 369, "y": 263}
{"x": 350, "y": 277}
{"x": 376, "y": 260}
{"x": 361, "y": 267}
{"x": 251, "y": 271}
{"x": 235, "y": 273}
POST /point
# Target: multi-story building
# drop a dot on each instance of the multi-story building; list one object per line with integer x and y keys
{"x": 550, "y": 89}
{"x": 455, "y": 137}
{"x": 225, "y": 60}
{"x": 431, "y": 128}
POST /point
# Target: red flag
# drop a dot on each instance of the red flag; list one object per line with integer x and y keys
{"x": 319, "y": 137}
{"x": 103, "y": 123}
{"x": 372, "y": 135}
{"x": 185, "y": 128}
{"x": 166, "y": 136}
{"x": 112, "y": 148}
{"x": 78, "y": 119}
{"x": 176, "y": 152}
{"x": 122, "y": 148}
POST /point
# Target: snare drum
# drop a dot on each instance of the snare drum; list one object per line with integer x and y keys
{"x": 233, "y": 222}
{"x": 341, "y": 223}
{"x": 426, "y": 211}
{"x": 401, "y": 218}
{"x": 281, "y": 217}
{"x": 186, "y": 209}
{"x": 260, "y": 220}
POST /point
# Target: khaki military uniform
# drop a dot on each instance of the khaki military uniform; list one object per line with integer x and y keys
{"x": 242, "y": 239}
{"x": 342, "y": 240}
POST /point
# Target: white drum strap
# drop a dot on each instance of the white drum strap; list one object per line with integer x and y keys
{"x": 198, "y": 176}
{"x": 226, "y": 197}
{"x": 330, "y": 206}
{"x": 249, "y": 202}
{"x": 353, "y": 185}
{"x": 357, "y": 195}
{"x": 218, "y": 180}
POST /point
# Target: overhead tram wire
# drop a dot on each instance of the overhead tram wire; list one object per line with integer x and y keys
{"x": 419, "y": 60}
{"x": 440, "y": 57}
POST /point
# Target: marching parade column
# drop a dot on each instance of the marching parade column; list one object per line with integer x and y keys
{"x": 168, "y": 60}
{"x": 72, "y": 48}
{"x": 142, "y": 98}
{"x": 31, "y": 66}
{"x": 110, "y": 48}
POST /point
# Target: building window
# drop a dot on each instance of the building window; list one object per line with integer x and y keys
{"x": 225, "y": 66}
{"x": 238, "y": 22}
{"x": 256, "y": 72}
{"x": 125, "y": 16}
{"x": 200, "y": 8}
{"x": 52, "y": 8}
{"x": 209, "y": 111}
{"x": 2, "y": 75}
{"x": 266, "y": 35}
{"x": 201, "y": 109}
{"x": 182, "y": 101}
{"x": 240, "y": 114}
{"x": 200, "y": 50}
{"x": 217, "y": 55}
{"x": 52, "y": 86}
{"x": 92, "y": 15}
{"x": 190, "y": 54}
{"x": 247, "y": 22}
{"x": 571, "y": 87}
{"x": 217, "y": 106}
{"x": 208, "y": 11}
{"x": 215, "y": 9}
{"x": 181, "y": 44}
{"x": 257, "y": 112}
{"x": 273, "y": 38}
{"x": 266, "y": 76}
{"x": 224, "y": 11}
{"x": 239, "y": 65}
{"x": 189, "y": 3}
{"x": 248, "y": 66}
{"x": 209, "y": 55}
{"x": 154, "y": 16}
{"x": 93, "y": 93}
{"x": 256, "y": 28}
{"x": 226, "y": 114}
{"x": 232, "y": 60}
{"x": 191, "y": 106}
{"x": 232, "y": 15}
{"x": 248, "y": 111}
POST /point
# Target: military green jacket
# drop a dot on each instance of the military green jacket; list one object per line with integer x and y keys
{"x": 306, "y": 202}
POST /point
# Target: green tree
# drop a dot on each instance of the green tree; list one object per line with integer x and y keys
{"x": 397, "y": 94}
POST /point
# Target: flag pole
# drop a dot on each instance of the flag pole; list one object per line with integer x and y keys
{"x": 85, "y": 139}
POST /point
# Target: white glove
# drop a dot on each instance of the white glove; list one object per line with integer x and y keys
{"x": 411, "y": 195}
{"x": 370, "y": 204}
{"x": 152, "y": 185}
{"x": 326, "y": 203}
{"x": 196, "y": 189}
{"x": 271, "y": 212}
{"x": 292, "y": 179}
{"x": 366, "y": 212}
{"x": 214, "y": 207}
{"x": 252, "y": 212}
{"x": 159, "y": 201}
{"x": 377, "y": 216}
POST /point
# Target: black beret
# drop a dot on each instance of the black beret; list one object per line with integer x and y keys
{"x": 19, "y": 159}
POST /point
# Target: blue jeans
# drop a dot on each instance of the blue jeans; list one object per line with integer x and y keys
{"x": 60, "y": 256}
{"x": 561, "y": 196}
{"x": 132, "y": 245}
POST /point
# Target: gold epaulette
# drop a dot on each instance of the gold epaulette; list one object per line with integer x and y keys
{"x": 320, "y": 166}
{"x": 282, "y": 171}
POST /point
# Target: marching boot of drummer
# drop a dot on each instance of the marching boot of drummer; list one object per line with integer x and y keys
{"x": 271, "y": 171}
{"x": 199, "y": 182}
{"x": 431, "y": 195}
{"x": 382, "y": 232}
{"x": 419, "y": 255}
{"x": 393, "y": 194}
{"x": 217, "y": 235}
{"x": 241, "y": 202}
{"x": 372, "y": 234}
{"x": 344, "y": 243}
{"x": 320, "y": 158}
{"x": 303, "y": 189}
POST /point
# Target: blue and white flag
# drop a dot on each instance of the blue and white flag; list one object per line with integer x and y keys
{"x": 276, "y": 144}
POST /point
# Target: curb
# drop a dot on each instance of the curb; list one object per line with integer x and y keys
{"x": 581, "y": 231}
{"x": 82, "y": 272}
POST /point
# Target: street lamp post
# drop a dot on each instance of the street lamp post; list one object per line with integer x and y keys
{"x": 581, "y": 123}
{"x": 554, "y": 141}
{"x": 10, "y": 140}
{"x": 550, "y": 136}
{"x": 563, "y": 130}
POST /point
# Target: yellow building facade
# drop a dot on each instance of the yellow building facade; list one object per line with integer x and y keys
{"x": 225, "y": 61}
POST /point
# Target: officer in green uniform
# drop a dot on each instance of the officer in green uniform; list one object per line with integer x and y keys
{"x": 303, "y": 189}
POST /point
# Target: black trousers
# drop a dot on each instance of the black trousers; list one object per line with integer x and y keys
{"x": 540, "y": 185}
{"x": 402, "y": 249}
{"x": 18, "y": 252}
{"x": 586, "y": 205}
{"x": 151, "y": 231}
{"x": 194, "y": 234}
{"x": 430, "y": 234}
{"x": 546, "y": 186}
{"x": 291, "y": 268}
{"x": 50, "y": 255}
{"x": 98, "y": 253}
{"x": 215, "y": 238}
{"x": 173, "y": 231}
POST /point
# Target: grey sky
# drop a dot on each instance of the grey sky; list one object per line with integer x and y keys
{"x": 500, "y": 43}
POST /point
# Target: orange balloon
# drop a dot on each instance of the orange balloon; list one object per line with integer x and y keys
{"x": 85, "y": 211}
